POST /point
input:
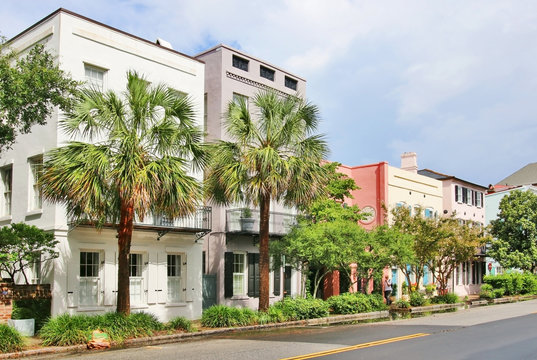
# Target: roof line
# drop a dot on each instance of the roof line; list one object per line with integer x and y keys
{"x": 249, "y": 56}
{"x": 449, "y": 177}
{"x": 62, "y": 10}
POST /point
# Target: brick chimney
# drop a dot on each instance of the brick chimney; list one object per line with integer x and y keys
{"x": 409, "y": 162}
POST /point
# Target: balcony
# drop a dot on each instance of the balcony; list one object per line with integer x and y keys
{"x": 279, "y": 223}
{"x": 198, "y": 222}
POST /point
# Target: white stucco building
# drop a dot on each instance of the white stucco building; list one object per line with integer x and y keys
{"x": 166, "y": 258}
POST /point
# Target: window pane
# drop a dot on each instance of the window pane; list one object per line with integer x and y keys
{"x": 240, "y": 63}
{"x": 291, "y": 83}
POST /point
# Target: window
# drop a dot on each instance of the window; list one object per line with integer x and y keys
{"x": 240, "y": 63}
{"x": 291, "y": 83}
{"x": 136, "y": 281}
{"x": 238, "y": 99}
{"x": 89, "y": 278}
{"x": 175, "y": 277}
{"x": 7, "y": 181}
{"x": 36, "y": 169}
{"x": 36, "y": 270}
{"x": 266, "y": 73}
{"x": 469, "y": 197}
{"x": 239, "y": 274}
{"x": 478, "y": 199}
{"x": 94, "y": 77}
{"x": 459, "y": 195}
{"x": 429, "y": 213}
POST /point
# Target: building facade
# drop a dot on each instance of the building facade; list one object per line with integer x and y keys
{"x": 467, "y": 201}
{"x": 166, "y": 257}
{"x": 231, "y": 252}
{"x": 384, "y": 187}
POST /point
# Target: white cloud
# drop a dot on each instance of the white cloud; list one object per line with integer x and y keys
{"x": 450, "y": 79}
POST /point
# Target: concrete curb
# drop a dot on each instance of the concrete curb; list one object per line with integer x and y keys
{"x": 164, "y": 339}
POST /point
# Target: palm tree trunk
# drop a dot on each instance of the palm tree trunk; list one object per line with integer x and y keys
{"x": 124, "y": 232}
{"x": 264, "y": 253}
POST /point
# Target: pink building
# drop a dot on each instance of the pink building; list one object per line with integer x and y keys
{"x": 382, "y": 188}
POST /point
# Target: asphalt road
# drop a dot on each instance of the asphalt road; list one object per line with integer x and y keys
{"x": 507, "y": 331}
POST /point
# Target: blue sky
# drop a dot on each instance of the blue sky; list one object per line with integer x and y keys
{"x": 454, "y": 81}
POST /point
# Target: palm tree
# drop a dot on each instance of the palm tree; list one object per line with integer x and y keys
{"x": 271, "y": 155}
{"x": 136, "y": 161}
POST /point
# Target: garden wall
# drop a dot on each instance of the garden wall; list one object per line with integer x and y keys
{"x": 10, "y": 292}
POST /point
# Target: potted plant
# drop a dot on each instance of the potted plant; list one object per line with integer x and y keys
{"x": 246, "y": 220}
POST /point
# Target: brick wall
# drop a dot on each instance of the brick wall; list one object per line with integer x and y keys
{"x": 10, "y": 292}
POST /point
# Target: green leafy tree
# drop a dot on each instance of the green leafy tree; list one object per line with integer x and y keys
{"x": 454, "y": 244}
{"x": 24, "y": 245}
{"x": 423, "y": 232}
{"x": 515, "y": 231}
{"x": 272, "y": 155}
{"x": 141, "y": 144}
{"x": 30, "y": 87}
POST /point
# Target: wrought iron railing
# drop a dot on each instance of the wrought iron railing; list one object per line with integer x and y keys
{"x": 200, "y": 220}
{"x": 279, "y": 223}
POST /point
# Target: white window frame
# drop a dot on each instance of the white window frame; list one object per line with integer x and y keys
{"x": 174, "y": 281}
{"x": 93, "y": 81}
{"x": 240, "y": 278}
{"x": 35, "y": 198}
{"x": 137, "y": 289}
{"x": 91, "y": 282}
{"x": 7, "y": 190}
{"x": 459, "y": 195}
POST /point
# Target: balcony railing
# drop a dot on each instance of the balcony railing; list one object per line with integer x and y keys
{"x": 279, "y": 223}
{"x": 199, "y": 221}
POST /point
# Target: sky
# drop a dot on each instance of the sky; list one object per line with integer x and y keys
{"x": 454, "y": 81}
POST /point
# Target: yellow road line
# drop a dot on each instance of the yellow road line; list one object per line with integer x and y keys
{"x": 356, "y": 347}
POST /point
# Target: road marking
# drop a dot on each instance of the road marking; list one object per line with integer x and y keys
{"x": 356, "y": 347}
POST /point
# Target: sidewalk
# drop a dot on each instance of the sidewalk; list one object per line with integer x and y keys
{"x": 473, "y": 315}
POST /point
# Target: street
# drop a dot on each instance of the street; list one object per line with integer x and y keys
{"x": 506, "y": 331}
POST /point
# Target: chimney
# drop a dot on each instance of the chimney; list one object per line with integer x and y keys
{"x": 409, "y": 162}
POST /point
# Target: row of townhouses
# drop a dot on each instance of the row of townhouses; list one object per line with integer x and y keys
{"x": 212, "y": 257}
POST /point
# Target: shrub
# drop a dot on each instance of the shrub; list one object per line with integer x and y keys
{"x": 486, "y": 291}
{"x": 449, "y": 298}
{"x": 529, "y": 284}
{"x": 10, "y": 339}
{"x": 180, "y": 323}
{"x": 353, "y": 303}
{"x": 429, "y": 289}
{"x": 402, "y": 304}
{"x": 498, "y": 293}
{"x": 226, "y": 316}
{"x": 300, "y": 308}
{"x": 417, "y": 299}
{"x": 377, "y": 302}
{"x": 66, "y": 330}
{"x": 276, "y": 314}
{"x": 76, "y": 329}
{"x": 38, "y": 309}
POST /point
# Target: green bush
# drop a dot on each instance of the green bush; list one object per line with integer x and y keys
{"x": 529, "y": 284}
{"x": 354, "y": 303}
{"x": 377, "y": 302}
{"x": 300, "y": 308}
{"x": 66, "y": 330}
{"x": 498, "y": 293}
{"x": 449, "y": 298}
{"x": 513, "y": 284}
{"x": 226, "y": 316}
{"x": 486, "y": 291}
{"x": 10, "y": 339}
{"x": 180, "y": 323}
{"x": 276, "y": 315}
{"x": 38, "y": 309}
{"x": 417, "y": 299}
{"x": 402, "y": 304}
{"x": 76, "y": 329}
